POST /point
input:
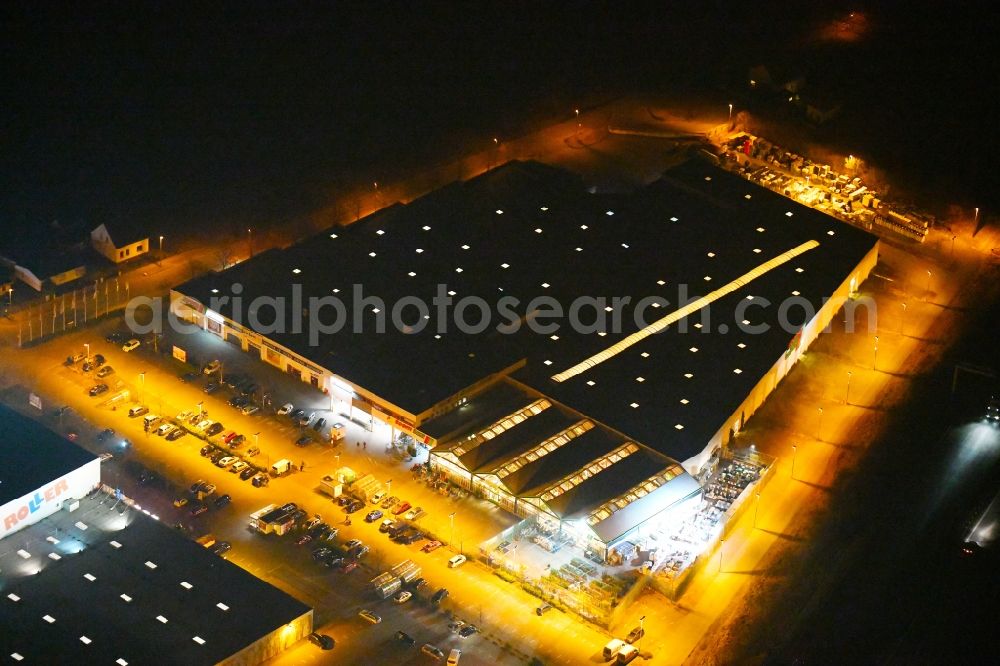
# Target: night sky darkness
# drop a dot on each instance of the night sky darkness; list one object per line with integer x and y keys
{"x": 251, "y": 113}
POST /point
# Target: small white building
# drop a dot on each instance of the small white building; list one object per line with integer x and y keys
{"x": 119, "y": 242}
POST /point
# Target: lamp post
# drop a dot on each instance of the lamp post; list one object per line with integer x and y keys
{"x": 10, "y": 296}
{"x": 953, "y": 237}
{"x": 388, "y": 487}
{"x": 730, "y": 114}
{"x": 756, "y": 507}
{"x": 250, "y": 240}
{"x": 819, "y": 425}
{"x": 847, "y": 395}
{"x": 87, "y": 345}
{"x": 795, "y": 451}
{"x": 875, "y": 356}
{"x": 142, "y": 385}
{"x": 199, "y": 406}
{"x": 928, "y": 290}
{"x": 451, "y": 516}
{"x": 642, "y": 628}
{"x": 902, "y": 319}
{"x": 161, "y": 251}
{"x": 722, "y": 544}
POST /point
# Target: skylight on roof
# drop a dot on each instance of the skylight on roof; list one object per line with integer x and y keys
{"x": 186, "y": 585}
{"x": 333, "y": 235}
{"x": 590, "y": 382}
{"x": 222, "y": 606}
{"x": 426, "y": 228}
{"x": 655, "y": 304}
{"x": 465, "y": 247}
{"x": 544, "y": 208}
{"x": 738, "y": 371}
{"x": 420, "y": 250}
{"x": 161, "y": 619}
{"x": 684, "y": 401}
{"x": 756, "y": 250}
{"x": 215, "y": 291}
{"x": 199, "y": 640}
{"x": 711, "y": 255}
{"x": 16, "y": 657}
{"x": 116, "y": 544}
{"x": 760, "y": 230}
{"x": 708, "y": 178}
{"x": 553, "y": 337}
{"x": 335, "y": 290}
{"x": 749, "y": 298}
{"x": 584, "y": 227}
{"x": 660, "y": 282}
{"x": 499, "y": 212}
{"x": 538, "y": 230}
{"x": 693, "y": 349}
{"x": 830, "y": 232}
{"x": 746, "y": 196}
{"x": 644, "y": 354}
{"x": 708, "y": 278}
{"x": 299, "y": 270}
{"x": 13, "y": 597}
{"x": 380, "y": 232}
{"x": 376, "y": 310}
{"x": 437, "y": 337}
{"x": 547, "y": 362}
{"x": 151, "y": 565}
{"x": 48, "y": 618}
{"x": 673, "y": 219}
{"x": 698, "y": 325}
{"x": 51, "y": 539}
{"x": 458, "y": 270}
{"x": 795, "y": 293}
{"x": 640, "y": 379}
{"x": 505, "y": 265}
{"x": 741, "y": 345}
{"x": 545, "y": 285}
{"x": 125, "y": 598}
{"x": 633, "y": 405}
{"x": 412, "y": 274}
{"x": 90, "y": 577}
{"x": 625, "y": 245}
{"x": 679, "y": 426}
{"x": 451, "y": 293}
{"x": 602, "y": 333}
{"x": 799, "y": 269}
{"x": 579, "y": 249}
{"x": 23, "y": 554}
{"x": 85, "y": 640}
{"x": 121, "y": 662}
{"x": 745, "y": 322}
{"x": 688, "y": 375}
{"x": 608, "y": 308}
{"x": 788, "y": 214}
{"x": 371, "y": 254}
{"x": 54, "y": 556}
{"x": 609, "y": 212}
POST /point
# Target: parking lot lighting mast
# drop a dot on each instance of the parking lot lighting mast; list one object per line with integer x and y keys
{"x": 142, "y": 385}
{"x": 161, "y": 250}
{"x": 795, "y": 450}
{"x": 847, "y": 396}
{"x": 730, "y": 114}
{"x": 451, "y": 517}
{"x": 756, "y": 507}
{"x": 722, "y": 544}
{"x": 875, "y": 355}
{"x": 87, "y": 345}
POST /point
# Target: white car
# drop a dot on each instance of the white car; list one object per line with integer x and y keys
{"x": 402, "y": 597}
{"x": 130, "y": 345}
{"x": 250, "y": 409}
{"x": 203, "y": 425}
{"x": 184, "y": 416}
{"x": 369, "y": 616}
{"x": 286, "y": 409}
{"x": 226, "y": 461}
{"x": 212, "y": 367}
{"x": 165, "y": 429}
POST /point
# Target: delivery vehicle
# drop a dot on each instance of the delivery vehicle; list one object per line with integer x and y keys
{"x": 283, "y": 466}
{"x": 612, "y": 649}
{"x": 627, "y": 653}
{"x": 456, "y": 561}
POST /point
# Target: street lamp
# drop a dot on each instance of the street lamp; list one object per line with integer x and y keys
{"x": 87, "y": 345}
{"x": 161, "y": 250}
{"x": 902, "y": 319}
{"x": 928, "y": 290}
{"x": 730, "y": 114}
{"x": 795, "y": 451}
{"x": 722, "y": 544}
{"x": 142, "y": 385}
{"x": 388, "y": 487}
{"x": 642, "y": 628}
{"x": 875, "y": 356}
{"x": 756, "y": 507}
{"x": 199, "y": 406}
{"x": 847, "y": 396}
{"x": 452, "y": 517}
{"x": 819, "y": 426}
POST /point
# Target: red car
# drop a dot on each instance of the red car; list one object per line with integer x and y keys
{"x": 303, "y": 540}
{"x": 433, "y": 545}
{"x": 348, "y": 566}
{"x": 230, "y": 437}
{"x": 401, "y": 508}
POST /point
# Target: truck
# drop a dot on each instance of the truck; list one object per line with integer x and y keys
{"x": 406, "y": 571}
{"x": 386, "y": 585}
{"x": 283, "y": 466}
{"x": 273, "y": 518}
{"x": 331, "y": 485}
{"x": 337, "y": 432}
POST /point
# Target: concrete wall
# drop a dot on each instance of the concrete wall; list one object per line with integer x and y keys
{"x": 46, "y": 500}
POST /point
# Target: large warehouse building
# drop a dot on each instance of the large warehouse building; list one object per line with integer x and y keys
{"x": 594, "y": 412}
{"x": 86, "y": 578}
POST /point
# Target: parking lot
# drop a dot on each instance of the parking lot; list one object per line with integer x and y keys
{"x": 156, "y": 472}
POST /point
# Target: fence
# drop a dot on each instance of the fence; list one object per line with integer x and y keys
{"x": 64, "y": 312}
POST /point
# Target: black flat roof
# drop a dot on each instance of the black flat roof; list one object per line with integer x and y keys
{"x": 496, "y": 451}
{"x": 480, "y": 411}
{"x": 527, "y": 230}
{"x": 33, "y": 455}
{"x": 83, "y": 594}
{"x": 535, "y": 477}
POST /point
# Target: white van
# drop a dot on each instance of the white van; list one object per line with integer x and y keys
{"x": 378, "y": 497}
{"x": 612, "y": 648}
{"x": 456, "y": 561}
{"x": 150, "y": 420}
{"x": 627, "y": 653}
{"x": 454, "y": 656}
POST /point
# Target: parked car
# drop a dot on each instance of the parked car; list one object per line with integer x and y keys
{"x": 88, "y": 366}
{"x": 105, "y": 434}
{"x": 388, "y": 502}
{"x": 176, "y": 434}
{"x": 432, "y": 651}
{"x": 369, "y": 616}
{"x": 236, "y": 441}
{"x": 439, "y": 596}
{"x": 75, "y": 358}
{"x": 413, "y": 514}
{"x": 207, "y": 450}
{"x": 214, "y": 429}
{"x": 635, "y": 634}
{"x": 260, "y": 480}
{"x": 239, "y": 466}
{"x": 419, "y": 583}
{"x": 217, "y": 456}
{"x": 543, "y": 609}
{"x": 131, "y": 345}
{"x": 303, "y": 441}
{"x": 203, "y": 424}
{"x": 225, "y": 461}
{"x": 372, "y": 516}
{"x": 322, "y": 641}
{"x": 105, "y": 371}
{"x": 184, "y": 416}
{"x": 97, "y": 390}
{"x": 361, "y": 552}
{"x": 199, "y": 509}
{"x": 99, "y": 360}
{"x": 402, "y": 597}
{"x": 303, "y": 540}
{"x": 212, "y": 367}
{"x": 238, "y": 401}
{"x": 248, "y": 389}
{"x": 230, "y": 436}
{"x": 354, "y": 506}
{"x": 249, "y": 410}
{"x": 321, "y": 552}
{"x": 405, "y": 638}
{"x": 180, "y": 501}
{"x": 188, "y": 377}
{"x": 222, "y": 547}
{"x": 347, "y": 566}
{"x": 318, "y": 424}
{"x": 165, "y": 429}
{"x": 353, "y": 543}
{"x": 248, "y": 472}
{"x": 401, "y": 508}
{"x": 412, "y": 537}
{"x": 115, "y": 337}
{"x": 286, "y": 409}
{"x": 431, "y": 546}
{"x": 211, "y": 387}
{"x": 304, "y": 419}
{"x": 385, "y": 525}
{"x": 296, "y": 413}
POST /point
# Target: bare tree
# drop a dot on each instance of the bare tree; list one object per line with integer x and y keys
{"x": 225, "y": 257}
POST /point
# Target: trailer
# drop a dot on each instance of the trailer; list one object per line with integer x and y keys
{"x": 276, "y": 519}
{"x": 386, "y": 585}
{"x": 331, "y": 485}
{"x": 283, "y": 466}
{"x": 407, "y": 571}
